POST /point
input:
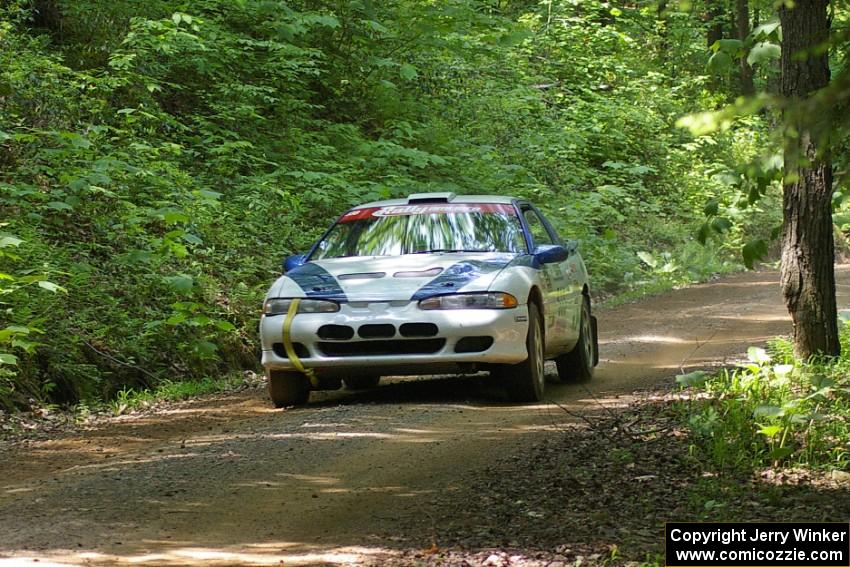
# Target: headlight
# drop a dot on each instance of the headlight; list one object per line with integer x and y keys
{"x": 470, "y": 301}
{"x": 277, "y": 306}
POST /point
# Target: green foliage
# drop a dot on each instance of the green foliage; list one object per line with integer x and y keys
{"x": 159, "y": 158}
{"x": 762, "y": 52}
{"x": 19, "y": 335}
{"x": 131, "y": 399}
{"x": 772, "y": 411}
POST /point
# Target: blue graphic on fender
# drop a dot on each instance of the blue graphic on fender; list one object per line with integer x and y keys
{"x": 455, "y": 277}
{"x": 317, "y": 282}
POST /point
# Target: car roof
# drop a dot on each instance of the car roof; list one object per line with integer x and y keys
{"x": 498, "y": 199}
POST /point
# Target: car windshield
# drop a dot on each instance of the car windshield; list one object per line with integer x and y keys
{"x": 421, "y": 229}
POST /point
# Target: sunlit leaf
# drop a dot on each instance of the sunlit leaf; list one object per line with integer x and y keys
{"x": 6, "y": 358}
{"x": 50, "y": 286}
{"x": 210, "y": 195}
{"x": 703, "y": 123}
{"x": 769, "y": 411}
{"x": 720, "y": 62}
{"x": 9, "y": 241}
{"x": 648, "y": 259}
{"x": 174, "y": 217}
{"x": 783, "y": 369}
{"x": 408, "y": 72}
{"x": 731, "y": 46}
{"x": 763, "y": 52}
{"x": 692, "y": 379}
{"x": 192, "y": 239}
{"x": 766, "y": 29}
{"x": 181, "y": 283}
{"x": 176, "y": 319}
{"x": 770, "y": 430}
{"x": 758, "y": 355}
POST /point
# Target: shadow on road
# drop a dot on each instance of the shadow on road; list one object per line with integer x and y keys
{"x": 478, "y": 389}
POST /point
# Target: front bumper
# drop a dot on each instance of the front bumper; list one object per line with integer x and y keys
{"x": 397, "y": 335}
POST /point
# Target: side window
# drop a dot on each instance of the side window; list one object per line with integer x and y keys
{"x": 538, "y": 231}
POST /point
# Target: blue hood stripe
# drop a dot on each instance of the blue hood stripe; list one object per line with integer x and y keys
{"x": 458, "y": 275}
{"x": 317, "y": 282}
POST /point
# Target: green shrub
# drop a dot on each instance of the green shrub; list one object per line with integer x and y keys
{"x": 772, "y": 411}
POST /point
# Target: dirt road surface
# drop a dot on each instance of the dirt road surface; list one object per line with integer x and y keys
{"x": 229, "y": 480}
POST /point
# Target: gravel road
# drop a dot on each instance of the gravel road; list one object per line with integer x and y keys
{"x": 351, "y": 477}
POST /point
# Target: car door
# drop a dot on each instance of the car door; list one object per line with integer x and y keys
{"x": 575, "y": 277}
{"x": 554, "y": 281}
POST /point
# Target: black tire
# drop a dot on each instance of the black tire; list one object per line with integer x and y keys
{"x": 288, "y": 388}
{"x": 577, "y": 365}
{"x": 526, "y": 381}
{"x": 362, "y": 382}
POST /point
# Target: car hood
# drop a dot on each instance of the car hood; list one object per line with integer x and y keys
{"x": 392, "y": 278}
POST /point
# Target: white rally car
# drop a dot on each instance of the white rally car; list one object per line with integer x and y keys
{"x": 431, "y": 284}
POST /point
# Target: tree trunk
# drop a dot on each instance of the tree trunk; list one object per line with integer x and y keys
{"x": 714, "y": 19}
{"x": 808, "y": 251}
{"x": 742, "y": 9}
{"x": 661, "y": 18}
{"x": 46, "y": 15}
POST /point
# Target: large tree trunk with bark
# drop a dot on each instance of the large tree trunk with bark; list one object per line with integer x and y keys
{"x": 808, "y": 251}
{"x": 742, "y": 19}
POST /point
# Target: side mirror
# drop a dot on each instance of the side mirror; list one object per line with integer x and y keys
{"x": 550, "y": 253}
{"x": 292, "y": 262}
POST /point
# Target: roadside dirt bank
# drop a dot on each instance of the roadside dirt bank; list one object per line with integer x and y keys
{"x": 354, "y": 476}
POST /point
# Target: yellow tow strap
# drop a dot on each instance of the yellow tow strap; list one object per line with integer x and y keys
{"x": 290, "y": 350}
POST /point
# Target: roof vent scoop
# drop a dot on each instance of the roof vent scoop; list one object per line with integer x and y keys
{"x": 419, "y": 198}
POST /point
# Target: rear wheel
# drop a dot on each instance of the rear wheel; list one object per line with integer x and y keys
{"x": 362, "y": 382}
{"x": 577, "y": 365}
{"x": 288, "y": 388}
{"x": 525, "y": 381}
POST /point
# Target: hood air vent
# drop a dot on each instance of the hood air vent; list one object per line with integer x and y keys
{"x": 419, "y": 274}
{"x": 363, "y": 276}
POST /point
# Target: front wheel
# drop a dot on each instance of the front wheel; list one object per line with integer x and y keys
{"x": 525, "y": 381}
{"x": 577, "y": 365}
{"x": 288, "y": 388}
